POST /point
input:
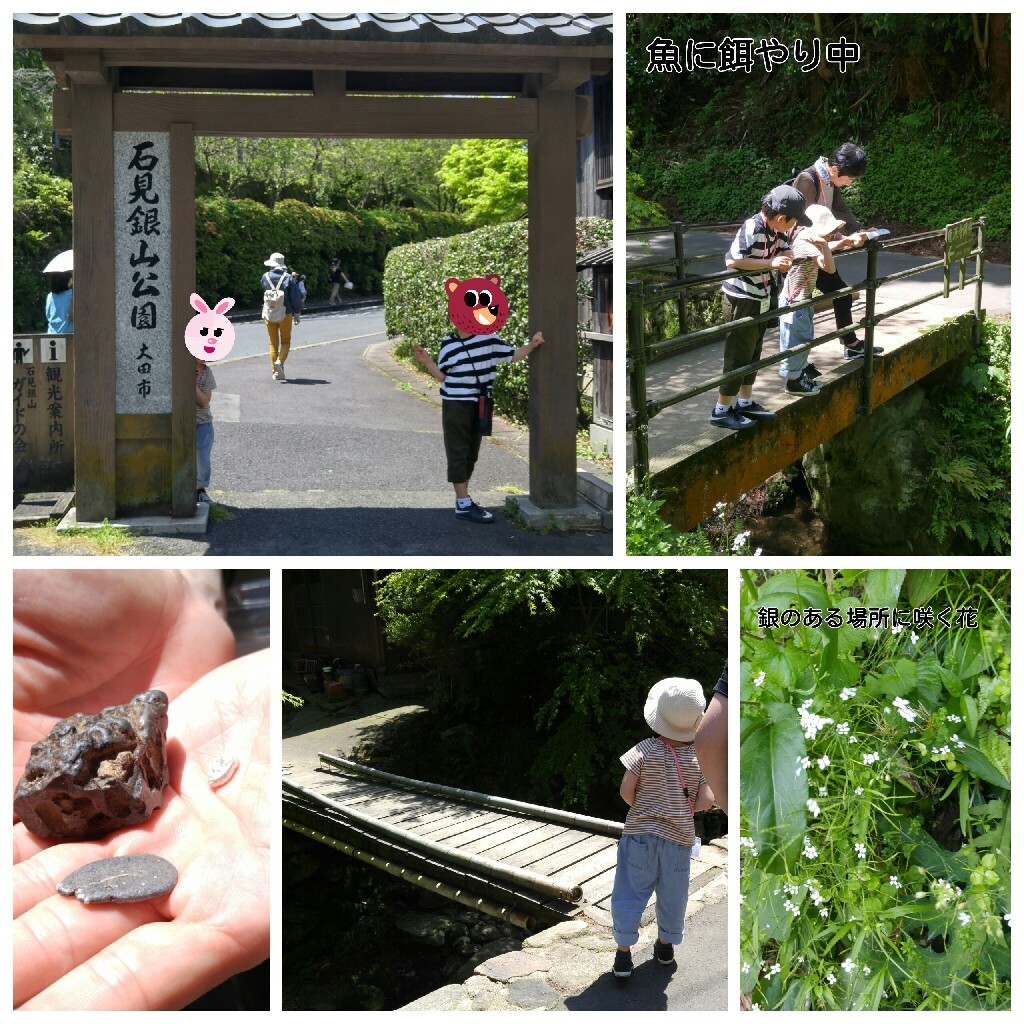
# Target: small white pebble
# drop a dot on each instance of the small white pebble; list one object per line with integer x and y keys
{"x": 221, "y": 770}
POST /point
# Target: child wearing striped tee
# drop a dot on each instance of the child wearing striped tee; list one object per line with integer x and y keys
{"x": 663, "y": 786}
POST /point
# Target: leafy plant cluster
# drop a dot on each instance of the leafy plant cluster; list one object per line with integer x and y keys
{"x": 416, "y": 306}
{"x": 969, "y": 446}
{"x": 875, "y": 792}
{"x": 647, "y": 533}
{"x": 541, "y": 675}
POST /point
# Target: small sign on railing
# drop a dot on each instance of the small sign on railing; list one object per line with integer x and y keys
{"x": 960, "y": 241}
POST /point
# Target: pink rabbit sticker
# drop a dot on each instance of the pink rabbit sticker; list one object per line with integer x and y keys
{"x": 209, "y": 335}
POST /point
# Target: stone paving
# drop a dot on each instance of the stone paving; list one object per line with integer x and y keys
{"x": 567, "y": 967}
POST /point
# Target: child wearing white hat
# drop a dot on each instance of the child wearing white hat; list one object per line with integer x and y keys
{"x": 663, "y": 786}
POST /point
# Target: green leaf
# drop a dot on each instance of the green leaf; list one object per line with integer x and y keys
{"x": 973, "y": 759}
{"x": 774, "y": 797}
{"x": 793, "y": 589}
{"x": 923, "y": 850}
{"x": 920, "y": 584}
{"x": 970, "y": 710}
{"x": 882, "y": 587}
{"x": 896, "y": 681}
{"x": 929, "y": 681}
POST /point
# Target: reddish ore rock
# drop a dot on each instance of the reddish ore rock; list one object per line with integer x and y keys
{"x": 97, "y": 773}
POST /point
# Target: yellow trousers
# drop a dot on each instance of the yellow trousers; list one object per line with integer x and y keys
{"x": 280, "y": 334}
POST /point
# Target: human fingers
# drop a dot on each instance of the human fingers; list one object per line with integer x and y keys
{"x": 54, "y": 938}
{"x": 157, "y": 966}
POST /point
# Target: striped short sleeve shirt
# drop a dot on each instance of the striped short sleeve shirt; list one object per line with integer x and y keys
{"x": 468, "y": 364}
{"x": 660, "y": 807}
{"x": 754, "y": 241}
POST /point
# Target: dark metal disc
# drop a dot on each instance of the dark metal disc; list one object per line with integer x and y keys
{"x": 139, "y": 876}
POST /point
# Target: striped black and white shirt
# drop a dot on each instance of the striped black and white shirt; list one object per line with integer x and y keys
{"x": 660, "y": 806}
{"x": 754, "y": 241}
{"x": 468, "y": 364}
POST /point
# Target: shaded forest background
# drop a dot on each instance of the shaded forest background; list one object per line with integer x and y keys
{"x": 541, "y": 675}
{"x": 929, "y": 101}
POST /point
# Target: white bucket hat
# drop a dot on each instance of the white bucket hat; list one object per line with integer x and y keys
{"x": 823, "y": 220}
{"x": 276, "y": 260}
{"x": 675, "y": 707}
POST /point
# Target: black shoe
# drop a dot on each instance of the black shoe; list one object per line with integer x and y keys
{"x": 802, "y": 386}
{"x": 664, "y": 952}
{"x": 857, "y": 350}
{"x": 623, "y": 966}
{"x": 811, "y": 371}
{"x": 756, "y": 412}
{"x": 474, "y": 513}
{"x": 731, "y": 419}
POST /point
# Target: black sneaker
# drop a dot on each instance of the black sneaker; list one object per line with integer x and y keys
{"x": 664, "y": 952}
{"x": 475, "y": 514}
{"x": 731, "y": 419}
{"x": 802, "y": 386}
{"x": 623, "y": 966}
{"x": 811, "y": 371}
{"x": 856, "y": 351}
{"x": 756, "y": 412}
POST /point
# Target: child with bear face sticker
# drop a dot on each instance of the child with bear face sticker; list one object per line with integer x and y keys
{"x": 465, "y": 367}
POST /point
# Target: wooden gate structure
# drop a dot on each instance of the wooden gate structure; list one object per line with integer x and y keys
{"x": 134, "y": 90}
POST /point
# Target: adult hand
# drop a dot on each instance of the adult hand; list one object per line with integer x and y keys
{"x": 85, "y": 640}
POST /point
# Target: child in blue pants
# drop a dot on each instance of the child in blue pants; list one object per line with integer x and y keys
{"x": 663, "y": 786}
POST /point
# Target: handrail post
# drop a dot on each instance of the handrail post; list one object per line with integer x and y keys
{"x": 979, "y": 273}
{"x": 868, "y": 371}
{"x": 637, "y": 355}
{"x": 677, "y": 232}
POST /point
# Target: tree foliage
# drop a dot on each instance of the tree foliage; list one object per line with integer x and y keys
{"x": 542, "y": 674}
{"x": 928, "y": 100}
{"x": 488, "y": 178}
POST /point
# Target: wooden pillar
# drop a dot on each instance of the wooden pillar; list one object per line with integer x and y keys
{"x": 183, "y": 283}
{"x": 552, "y": 283}
{"x": 92, "y": 177}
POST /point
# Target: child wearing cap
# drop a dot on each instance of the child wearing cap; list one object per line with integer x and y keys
{"x": 663, "y": 786}
{"x": 760, "y": 245}
{"x": 811, "y": 253}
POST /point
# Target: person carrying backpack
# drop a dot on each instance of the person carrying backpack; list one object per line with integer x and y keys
{"x": 282, "y": 304}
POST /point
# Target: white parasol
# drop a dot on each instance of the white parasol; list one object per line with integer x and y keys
{"x": 61, "y": 263}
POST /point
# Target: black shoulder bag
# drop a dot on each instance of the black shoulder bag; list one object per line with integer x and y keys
{"x": 484, "y": 419}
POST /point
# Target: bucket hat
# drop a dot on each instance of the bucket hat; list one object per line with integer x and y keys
{"x": 823, "y": 220}
{"x": 675, "y": 707}
{"x": 276, "y": 261}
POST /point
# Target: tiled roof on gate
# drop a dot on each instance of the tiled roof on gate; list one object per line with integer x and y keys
{"x": 536, "y": 29}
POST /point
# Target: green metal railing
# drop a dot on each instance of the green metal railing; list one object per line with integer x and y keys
{"x": 642, "y": 296}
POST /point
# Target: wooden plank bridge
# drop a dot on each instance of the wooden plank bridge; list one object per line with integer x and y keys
{"x": 521, "y": 862}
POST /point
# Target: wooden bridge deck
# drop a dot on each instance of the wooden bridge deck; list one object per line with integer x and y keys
{"x": 567, "y": 855}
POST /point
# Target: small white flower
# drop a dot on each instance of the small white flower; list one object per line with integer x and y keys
{"x": 823, "y": 791}
{"x": 894, "y": 882}
{"x": 914, "y": 637}
{"x": 897, "y": 629}
{"x": 959, "y": 742}
{"x": 809, "y": 851}
{"x": 791, "y": 907}
{"x": 954, "y": 718}
{"x": 755, "y": 1006}
{"x": 812, "y": 806}
{"x": 859, "y": 790}
{"x": 867, "y": 970}
{"x": 775, "y": 969}
{"x": 740, "y": 539}
{"x": 830, "y": 978}
{"x": 800, "y": 959}
{"x": 964, "y": 917}
{"x": 870, "y": 758}
{"x": 810, "y": 722}
{"x": 848, "y": 965}
{"x": 862, "y": 850}
{"x": 1006, "y": 918}
{"x": 757, "y": 552}
{"x": 816, "y": 897}
{"x": 823, "y": 912}
{"x": 804, "y": 762}
{"x": 904, "y": 708}
{"x": 746, "y": 968}
{"x": 823, "y": 762}
{"x": 759, "y": 678}
{"x": 843, "y": 728}
{"x": 847, "y": 693}
{"x": 853, "y": 739}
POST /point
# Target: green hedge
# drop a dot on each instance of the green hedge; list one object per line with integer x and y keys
{"x": 415, "y": 305}
{"x": 233, "y": 238}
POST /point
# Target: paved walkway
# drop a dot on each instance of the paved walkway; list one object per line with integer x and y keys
{"x": 346, "y": 458}
{"x": 686, "y": 424}
{"x": 567, "y": 967}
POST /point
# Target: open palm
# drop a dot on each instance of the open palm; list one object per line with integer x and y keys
{"x": 134, "y": 633}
